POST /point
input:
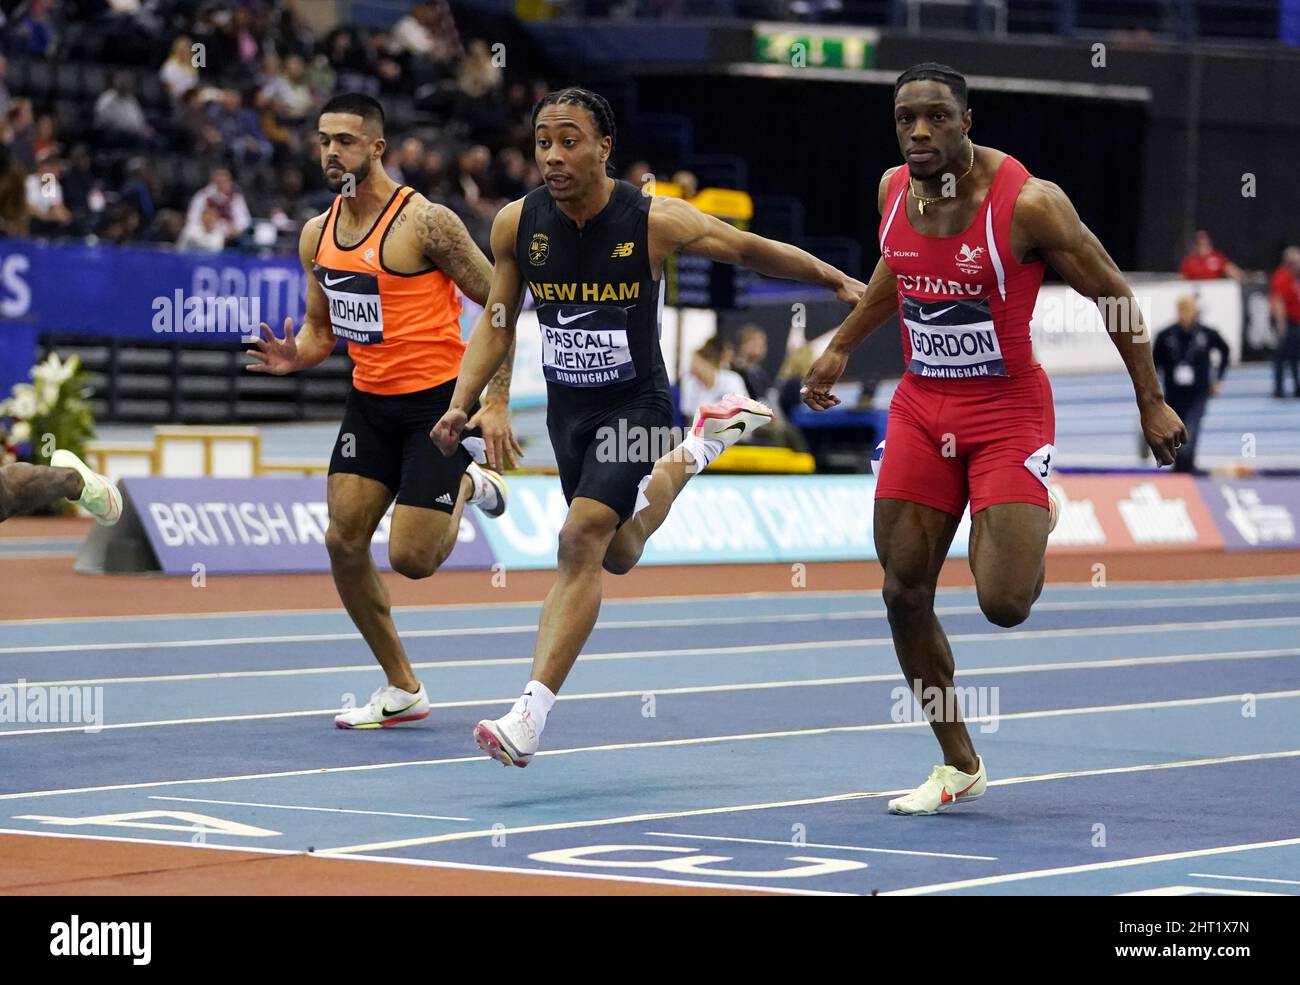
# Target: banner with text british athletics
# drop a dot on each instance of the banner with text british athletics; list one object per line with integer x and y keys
{"x": 233, "y": 526}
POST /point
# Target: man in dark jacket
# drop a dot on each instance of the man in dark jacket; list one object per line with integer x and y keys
{"x": 1182, "y": 356}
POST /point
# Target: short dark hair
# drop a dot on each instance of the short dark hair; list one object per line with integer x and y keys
{"x": 593, "y": 102}
{"x": 946, "y": 74}
{"x": 358, "y": 104}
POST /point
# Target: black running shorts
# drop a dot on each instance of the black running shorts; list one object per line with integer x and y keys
{"x": 386, "y": 438}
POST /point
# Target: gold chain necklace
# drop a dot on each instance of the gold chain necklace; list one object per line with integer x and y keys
{"x": 922, "y": 201}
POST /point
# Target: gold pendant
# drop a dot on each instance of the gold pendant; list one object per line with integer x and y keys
{"x": 920, "y": 206}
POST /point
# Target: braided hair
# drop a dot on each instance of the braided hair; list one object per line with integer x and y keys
{"x": 593, "y": 103}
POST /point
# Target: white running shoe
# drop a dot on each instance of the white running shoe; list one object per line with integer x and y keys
{"x": 490, "y": 493}
{"x": 730, "y": 419}
{"x": 1053, "y": 510}
{"x": 946, "y": 786}
{"x": 510, "y": 740}
{"x": 100, "y": 498}
{"x": 387, "y": 707}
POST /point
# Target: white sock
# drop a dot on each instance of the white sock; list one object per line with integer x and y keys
{"x": 703, "y": 450}
{"x": 537, "y": 699}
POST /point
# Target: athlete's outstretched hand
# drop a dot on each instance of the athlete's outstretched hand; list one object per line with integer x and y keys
{"x": 446, "y": 433}
{"x": 493, "y": 419}
{"x": 825, "y": 373}
{"x": 851, "y": 291}
{"x": 1164, "y": 431}
{"x": 275, "y": 356}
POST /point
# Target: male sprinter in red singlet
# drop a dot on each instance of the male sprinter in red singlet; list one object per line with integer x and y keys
{"x": 592, "y": 252}
{"x": 383, "y": 265}
{"x": 965, "y": 236}
{"x": 25, "y": 487}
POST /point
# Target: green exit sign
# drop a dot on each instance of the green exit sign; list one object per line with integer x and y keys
{"x": 807, "y": 46}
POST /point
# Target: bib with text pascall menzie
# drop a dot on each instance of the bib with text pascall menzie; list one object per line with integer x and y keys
{"x": 585, "y": 345}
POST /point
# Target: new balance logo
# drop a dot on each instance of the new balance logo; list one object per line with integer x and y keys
{"x": 445, "y": 499}
{"x": 622, "y": 250}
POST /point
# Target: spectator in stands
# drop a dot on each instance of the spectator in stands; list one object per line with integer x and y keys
{"x": 689, "y": 184}
{"x": 178, "y": 72}
{"x": 408, "y": 165}
{"x": 1182, "y": 355}
{"x": 511, "y": 174}
{"x": 118, "y": 114}
{"x": 637, "y": 172}
{"x": 45, "y": 138}
{"x": 5, "y": 97}
{"x": 1204, "y": 262}
{"x": 1284, "y": 304}
{"x": 748, "y": 364}
{"x": 224, "y": 199}
{"x": 34, "y": 31}
{"x": 83, "y": 192}
{"x": 288, "y": 95}
{"x": 478, "y": 76}
{"x": 140, "y": 191}
{"x": 240, "y": 129}
{"x": 789, "y": 378}
{"x": 48, "y": 216}
{"x": 203, "y": 235}
{"x": 428, "y": 33}
{"x": 13, "y": 190}
{"x": 244, "y": 31}
{"x": 707, "y": 380}
{"x": 22, "y": 133}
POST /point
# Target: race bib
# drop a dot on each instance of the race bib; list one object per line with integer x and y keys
{"x": 952, "y": 339}
{"x": 355, "y": 312}
{"x": 585, "y": 345}
{"x": 1184, "y": 375}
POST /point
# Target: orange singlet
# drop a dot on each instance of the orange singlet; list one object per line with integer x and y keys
{"x": 402, "y": 330}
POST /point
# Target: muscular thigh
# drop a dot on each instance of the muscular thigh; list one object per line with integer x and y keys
{"x": 356, "y": 505}
{"x": 912, "y": 541}
{"x": 417, "y": 532}
{"x": 1007, "y": 543}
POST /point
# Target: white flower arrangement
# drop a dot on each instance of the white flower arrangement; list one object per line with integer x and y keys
{"x": 50, "y": 412}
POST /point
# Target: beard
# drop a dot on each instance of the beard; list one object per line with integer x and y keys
{"x": 359, "y": 175}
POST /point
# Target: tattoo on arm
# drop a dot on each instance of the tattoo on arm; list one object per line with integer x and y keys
{"x": 445, "y": 240}
{"x": 499, "y": 386}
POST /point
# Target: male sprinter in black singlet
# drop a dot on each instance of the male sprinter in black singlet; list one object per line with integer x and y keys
{"x": 592, "y": 250}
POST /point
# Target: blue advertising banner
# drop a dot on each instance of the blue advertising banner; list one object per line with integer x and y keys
{"x": 129, "y": 292}
{"x": 236, "y": 526}
{"x": 716, "y": 520}
{"x": 1254, "y": 514}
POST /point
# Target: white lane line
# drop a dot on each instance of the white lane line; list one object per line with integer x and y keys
{"x": 658, "y": 691}
{"x": 418, "y": 862}
{"x": 665, "y": 743}
{"x": 1062, "y": 586}
{"x": 327, "y": 810}
{"x": 796, "y": 617}
{"x": 843, "y": 848}
{"x": 1068, "y": 870}
{"x": 1211, "y": 875}
{"x": 636, "y": 818}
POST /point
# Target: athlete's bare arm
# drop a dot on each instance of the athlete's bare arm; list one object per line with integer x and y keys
{"x": 491, "y": 343}
{"x": 1046, "y": 224}
{"x": 879, "y": 301}
{"x": 677, "y": 225}
{"x": 315, "y": 339}
{"x": 446, "y": 242}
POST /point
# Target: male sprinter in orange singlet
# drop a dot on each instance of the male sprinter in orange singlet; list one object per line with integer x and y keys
{"x": 384, "y": 264}
{"x": 592, "y": 250}
{"x": 972, "y": 419}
